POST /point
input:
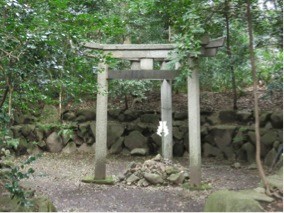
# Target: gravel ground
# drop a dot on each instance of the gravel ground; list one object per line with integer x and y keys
{"x": 59, "y": 175}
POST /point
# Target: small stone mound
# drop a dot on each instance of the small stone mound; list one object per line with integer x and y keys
{"x": 156, "y": 171}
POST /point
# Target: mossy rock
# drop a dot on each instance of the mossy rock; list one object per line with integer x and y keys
{"x": 91, "y": 179}
{"x": 231, "y": 201}
{"x": 40, "y": 204}
{"x": 202, "y": 186}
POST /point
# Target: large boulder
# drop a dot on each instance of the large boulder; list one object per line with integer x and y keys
{"x": 41, "y": 204}
{"x": 153, "y": 178}
{"x": 139, "y": 151}
{"x": 135, "y": 140}
{"x": 49, "y": 114}
{"x": 177, "y": 134}
{"x": 222, "y": 136}
{"x": 276, "y": 119}
{"x": 54, "y": 142}
{"x": 269, "y": 158}
{"x": 211, "y": 151}
{"x": 228, "y": 116}
{"x": 68, "y": 116}
{"x": 150, "y": 118}
{"x": 85, "y": 148}
{"x": 131, "y": 115}
{"x": 114, "y": 132}
{"x": 69, "y": 148}
{"x": 86, "y": 115}
{"x": 230, "y": 201}
{"x": 178, "y": 149}
{"x": 244, "y": 116}
{"x": 116, "y": 148}
{"x": 269, "y": 138}
{"x": 249, "y": 151}
{"x": 263, "y": 118}
{"x": 180, "y": 115}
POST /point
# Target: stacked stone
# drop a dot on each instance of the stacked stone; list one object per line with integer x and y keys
{"x": 156, "y": 171}
{"x": 225, "y": 134}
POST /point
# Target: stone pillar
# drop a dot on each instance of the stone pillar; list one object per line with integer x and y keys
{"x": 166, "y": 108}
{"x": 101, "y": 123}
{"x": 194, "y": 124}
{"x": 146, "y": 64}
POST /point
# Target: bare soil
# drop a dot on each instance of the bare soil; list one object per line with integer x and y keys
{"x": 59, "y": 176}
{"x": 209, "y": 101}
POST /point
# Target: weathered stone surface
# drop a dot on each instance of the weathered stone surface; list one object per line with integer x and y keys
{"x": 230, "y": 201}
{"x": 186, "y": 141}
{"x": 276, "y": 180}
{"x": 49, "y": 115}
{"x": 84, "y": 148}
{"x": 276, "y": 119}
{"x": 263, "y": 118}
{"x": 139, "y": 151}
{"x": 180, "y": 115}
{"x": 17, "y": 130}
{"x": 69, "y": 148}
{"x": 83, "y": 129}
{"x": 135, "y": 140}
{"x": 153, "y": 178}
{"x": 178, "y": 149}
{"x": 34, "y": 150}
{"x": 222, "y": 136}
{"x": 269, "y": 158}
{"x": 41, "y": 204}
{"x": 211, "y": 151}
{"x": 125, "y": 152}
{"x": 39, "y": 134}
{"x": 177, "y": 133}
{"x": 143, "y": 182}
{"x": 78, "y": 140}
{"x": 116, "y": 148}
{"x": 150, "y": 118}
{"x": 213, "y": 119}
{"x": 176, "y": 178}
{"x": 27, "y": 129}
{"x": 244, "y": 116}
{"x": 157, "y": 139}
{"x": 256, "y": 194}
{"x": 249, "y": 151}
{"x": 131, "y": 179}
{"x": 68, "y": 116}
{"x": 227, "y": 116}
{"x": 114, "y": 131}
{"x": 131, "y": 115}
{"x": 114, "y": 113}
{"x": 86, "y": 115}
{"x": 54, "y": 142}
{"x": 269, "y": 138}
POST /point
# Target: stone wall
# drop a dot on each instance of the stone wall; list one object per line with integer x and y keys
{"x": 225, "y": 134}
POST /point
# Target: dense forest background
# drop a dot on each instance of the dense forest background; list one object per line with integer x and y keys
{"x": 42, "y": 60}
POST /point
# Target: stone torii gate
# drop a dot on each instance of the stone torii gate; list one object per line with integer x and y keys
{"x": 142, "y": 57}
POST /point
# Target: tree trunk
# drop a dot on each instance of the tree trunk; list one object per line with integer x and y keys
{"x": 10, "y": 101}
{"x": 229, "y": 53}
{"x": 256, "y": 109}
{"x": 60, "y": 103}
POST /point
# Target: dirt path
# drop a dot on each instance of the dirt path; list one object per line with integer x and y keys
{"x": 58, "y": 176}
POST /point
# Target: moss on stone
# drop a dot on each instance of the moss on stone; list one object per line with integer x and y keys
{"x": 91, "y": 179}
{"x": 202, "y": 186}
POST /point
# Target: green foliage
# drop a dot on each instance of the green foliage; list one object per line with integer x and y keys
{"x": 13, "y": 178}
{"x": 41, "y": 57}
